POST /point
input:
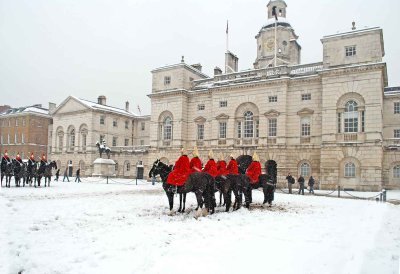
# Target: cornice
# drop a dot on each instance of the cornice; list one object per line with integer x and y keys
{"x": 222, "y": 116}
{"x": 352, "y": 69}
{"x": 272, "y": 113}
{"x": 161, "y": 94}
{"x": 200, "y": 119}
{"x": 305, "y": 111}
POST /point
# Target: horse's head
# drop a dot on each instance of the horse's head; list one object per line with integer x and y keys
{"x": 97, "y": 144}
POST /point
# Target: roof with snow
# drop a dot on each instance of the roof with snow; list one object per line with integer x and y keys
{"x": 34, "y": 109}
{"x": 392, "y": 91}
{"x": 282, "y": 21}
{"x": 96, "y": 106}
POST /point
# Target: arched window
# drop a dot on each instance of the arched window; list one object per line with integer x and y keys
{"x": 396, "y": 172}
{"x": 167, "y": 134}
{"x": 350, "y": 170}
{"x": 72, "y": 140}
{"x": 351, "y": 117}
{"x": 305, "y": 170}
{"x": 248, "y": 124}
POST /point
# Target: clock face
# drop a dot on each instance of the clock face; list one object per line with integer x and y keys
{"x": 270, "y": 45}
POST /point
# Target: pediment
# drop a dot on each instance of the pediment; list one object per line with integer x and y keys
{"x": 200, "y": 119}
{"x": 70, "y": 105}
{"x": 305, "y": 111}
{"x": 272, "y": 113}
{"x": 222, "y": 116}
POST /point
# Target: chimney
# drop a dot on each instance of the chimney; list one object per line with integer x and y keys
{"x": 101, "y": 100}
{"x": 52, "y": 107}
{"x": 217, "y": 71}
{"x": 197, "y": 66}
{"x": 231, "y": 62}
{"x": 127, "y": 106}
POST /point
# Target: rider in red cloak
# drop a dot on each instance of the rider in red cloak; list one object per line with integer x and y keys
{"x": 211, "y": 166}
{"x": 221, "y": 166}
{"x": 195, "y": 162}
{"x": 233, "y": 166}
{"x": 254, "y": 169}
{"x": 181, "y": 171}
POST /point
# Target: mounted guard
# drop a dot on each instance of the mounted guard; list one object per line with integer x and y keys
{"x": 195, "y": 162}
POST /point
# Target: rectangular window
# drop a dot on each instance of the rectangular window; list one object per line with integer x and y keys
{"x": 397, "y": 133}
{"x": 362, "y": 121}
{"x": 222, "y": 130}
{"x": 114, "y": 141}
{"x": 126, "y": 142}
{"x": 272, "y": 127}
{"x": 167, "y": 80}
{"x": 102, "y": 118}
{"x": 201, "y": 107}
{"x": 115, "y": 124}
{"x": 142, "y": 125}
{"x": 8, "y": 138}
{"x": 200, "y": 132}
{"x": 339, "y": 122}
{"x": 351, "y": 122}
{"x": 305, "y": 127}
{"x": 22, "y": 138}
{"x": 126, "y": 124}
{"x": 84, "y": 142}
{"x": 239, "y": 129}
{"x": 223, "y": 104}
{"x": 273, "y": 99}
{"x": 396, "y": 107}
{"x": 142, "y": 142}
{"x": 16, "y": 138}
{"x": 306, "y": 97}
{"x": 350, "y": 50}
{"x": 16, "y": 122}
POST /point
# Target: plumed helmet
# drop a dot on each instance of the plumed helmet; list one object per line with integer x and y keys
{"x": 255, "y": 157}
{"x": 211, "y": 154}
{"x": 233, "y": 157}
{"x": 183, "y": 151}
{"x": 195, "y": 152}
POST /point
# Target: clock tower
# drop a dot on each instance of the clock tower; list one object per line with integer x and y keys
{"x": 277, "y": 38}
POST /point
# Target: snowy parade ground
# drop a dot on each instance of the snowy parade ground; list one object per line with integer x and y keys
{"x": 94, "y": 227}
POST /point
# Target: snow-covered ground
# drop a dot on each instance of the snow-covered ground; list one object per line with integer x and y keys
{"x": 93, "y": 227}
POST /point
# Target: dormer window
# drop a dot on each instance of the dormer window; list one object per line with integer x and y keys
{"x": 350, "y": 51}
{"x": 167, "y": 80}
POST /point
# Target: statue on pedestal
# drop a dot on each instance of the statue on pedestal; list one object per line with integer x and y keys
{"x": 103, "y": 148}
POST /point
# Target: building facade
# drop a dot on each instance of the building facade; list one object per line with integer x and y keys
{"x": 78, "y": 124}
{"x": 336, "y": 120}
{"x": 24, "y": 130}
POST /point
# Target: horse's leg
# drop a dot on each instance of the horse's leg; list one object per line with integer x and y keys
{"x": 199, "y": 199}
{"x": 227, "y": 200}
{"x": 170, "y": 196}
{"x": 184, "y": 202}
{"x": 220, "y": 198}
{"x": 180, "y": 202}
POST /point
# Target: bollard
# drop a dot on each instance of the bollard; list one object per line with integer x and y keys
{"x": 107, "y": 180}
{"x": 377, "y": 199}
{"x": 380, "y": 197}
{"x": 384, "y": 195}
{"x": 338, "y": 193}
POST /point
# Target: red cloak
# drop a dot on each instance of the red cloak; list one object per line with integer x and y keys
{"x": 195, "y": 165}
{"x": 211, "y": 168}
{"x": 233, "y": 167}
{"x": 221, "y": 167}
{"x": 254, "y": 171}
{"x": 181, "y": 172}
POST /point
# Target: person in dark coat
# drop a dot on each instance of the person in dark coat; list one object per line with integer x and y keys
{"x": 311, "y": 183}
{"x": 66, "y": 174}
{"x": 57, "y": 175}
{"x": 78, "y": 175}
{"x": 301, "y": 184}
{"x": 290, "y": 182}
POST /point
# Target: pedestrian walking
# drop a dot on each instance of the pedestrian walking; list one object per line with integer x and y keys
{"x": 311, "y": 183}
{"x": 290, "y": 182}
{"x": 78, "y": 177}
{"x": 66, "y": 175}
{"x": 301, "y": 184}
{"x": 57, "y": 175}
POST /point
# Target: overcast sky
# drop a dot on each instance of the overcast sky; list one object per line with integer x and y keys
{"x": 50, "y": 49}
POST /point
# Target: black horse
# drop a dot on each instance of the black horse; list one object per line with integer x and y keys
{"x": 7, "y": 170}
{"x": 19, "y": 172}
{"x": 45, "y": 172}
{"x": 32, "y": 172}
{"x": 266, "y": 182}
{"x": 159, "y": 168}
{"x": 243, "y": 163}
{"x": 201, "y": 184}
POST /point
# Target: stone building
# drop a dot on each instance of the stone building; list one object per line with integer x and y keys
{"x": 336, "y": 120}
{"x": 24, "y": 130}
{"x": 78, "y": 124}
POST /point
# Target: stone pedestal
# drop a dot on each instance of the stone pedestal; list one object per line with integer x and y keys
{"x": 103, "y": 167}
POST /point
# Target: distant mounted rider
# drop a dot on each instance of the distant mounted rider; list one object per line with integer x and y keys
{"x": 254, "y": 169}
{"x": 233, "y": 166}
{"x": 221, "y": 165}
{"x": 181, "y": 171}
{"x": 211, "y": 166}
{"x": 195, "y": 162}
